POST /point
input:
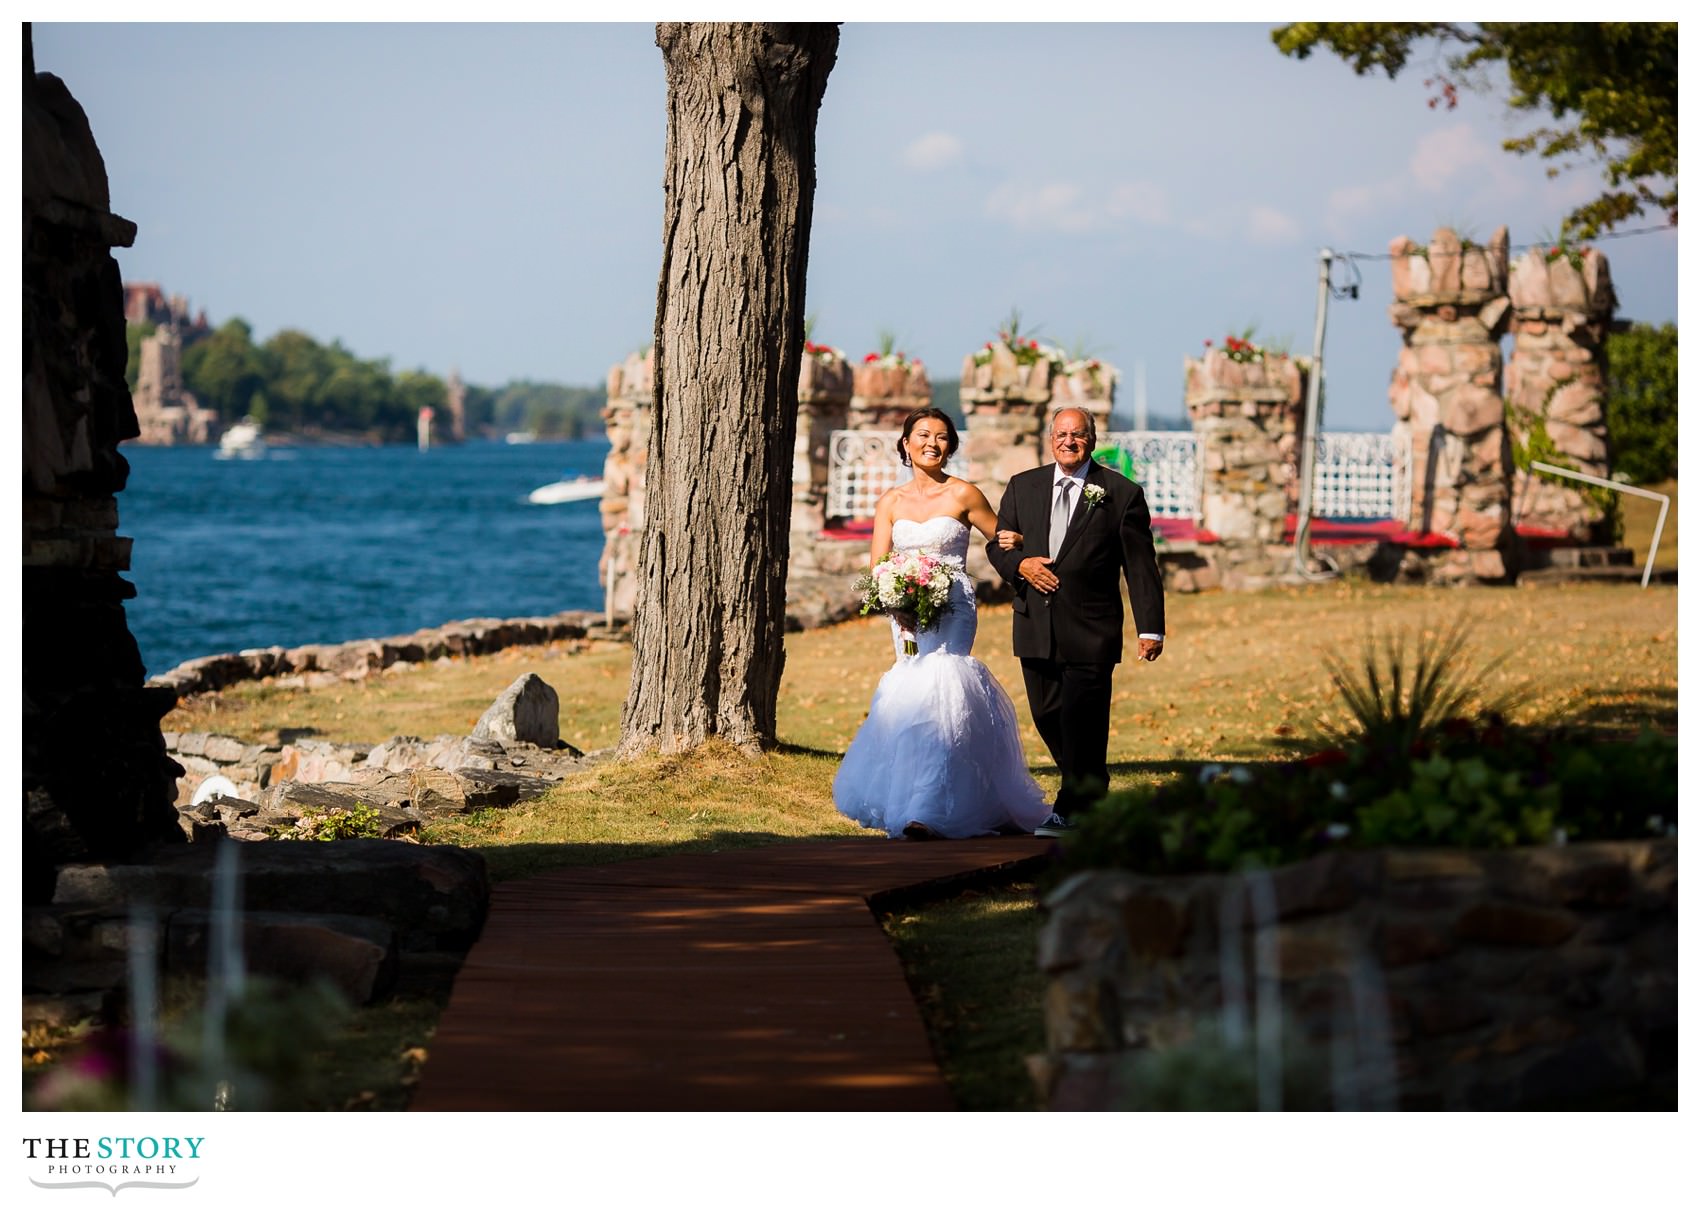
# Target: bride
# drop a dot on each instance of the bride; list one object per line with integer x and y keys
{"x": 939, "y": 755}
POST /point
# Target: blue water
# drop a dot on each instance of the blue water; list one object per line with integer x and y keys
{"x": 324, "y": 544}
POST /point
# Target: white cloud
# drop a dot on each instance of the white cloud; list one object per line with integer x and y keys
{"x": 933, "y": 151}
{"x": 1351, "y": 201}
{"x": 1265, "y": 225}
{"x": 1057, "y": 205}
{"x": 1139, "y": 200}
{"x": 1441, "y": 156}
{"x": 1067, "y": 206}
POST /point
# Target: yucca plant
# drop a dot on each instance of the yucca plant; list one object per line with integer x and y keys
{"x": 1402, "y": 693}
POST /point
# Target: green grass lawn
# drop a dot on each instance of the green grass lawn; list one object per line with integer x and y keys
{"x": 1241, "y": 679}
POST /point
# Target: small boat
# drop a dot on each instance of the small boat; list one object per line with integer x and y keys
{"x": 579, "y": 488}
{"x": 520, "y": 438}
{"x": 242, "y": 441}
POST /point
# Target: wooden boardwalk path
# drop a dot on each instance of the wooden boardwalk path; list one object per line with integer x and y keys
{"x": 754, "y": 980}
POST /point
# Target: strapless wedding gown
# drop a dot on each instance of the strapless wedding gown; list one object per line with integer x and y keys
{"x": 940, "y": 745}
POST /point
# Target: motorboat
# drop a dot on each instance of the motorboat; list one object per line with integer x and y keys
{"x": 244, "y": 440}
{"x": 579, "y": 488}
{"x": 520, "y": 438}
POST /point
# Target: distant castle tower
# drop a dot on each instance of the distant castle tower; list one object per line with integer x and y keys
{"x": 456, "y": 406}
{"x": 166, "y": 412}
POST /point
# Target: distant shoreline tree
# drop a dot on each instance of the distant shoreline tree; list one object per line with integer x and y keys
{"x": 291, "y": 383}
{"x": 1611, "y": 87}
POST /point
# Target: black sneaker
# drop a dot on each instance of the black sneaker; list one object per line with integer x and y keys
{"x": 1054, "y": 826}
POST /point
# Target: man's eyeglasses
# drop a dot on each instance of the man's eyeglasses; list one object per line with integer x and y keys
{"x": 1070, "y": 435}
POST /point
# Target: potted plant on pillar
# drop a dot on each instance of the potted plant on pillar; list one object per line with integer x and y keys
{"x": 889, "y": 384}
{"x": 1023, "y": 361}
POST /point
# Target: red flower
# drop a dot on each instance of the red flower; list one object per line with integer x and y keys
{"x": 871, "y": 358}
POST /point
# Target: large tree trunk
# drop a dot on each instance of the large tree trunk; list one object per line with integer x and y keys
{"x": 709, "y": 634}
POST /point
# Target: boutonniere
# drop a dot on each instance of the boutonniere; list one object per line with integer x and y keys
{"x": 1092, "y": 495}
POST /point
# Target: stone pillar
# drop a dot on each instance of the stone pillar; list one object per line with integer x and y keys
{"x": 97, "y": 780}
{"x": 1089, "y": 385}
{"x": 628, "y": 414}
{"x": 1449, "y": 299}
{"x": 883, "y": 396}
{"x": 824, "y": 393}
{"x": 1247, "y": 411}
{"x": 1561, "y": 309}
{"x": 1005, "y": 404}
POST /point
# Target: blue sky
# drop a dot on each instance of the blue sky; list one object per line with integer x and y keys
{"x": 488, "y": 197}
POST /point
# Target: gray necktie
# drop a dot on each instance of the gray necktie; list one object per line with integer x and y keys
{"x": 1059, "y": 514}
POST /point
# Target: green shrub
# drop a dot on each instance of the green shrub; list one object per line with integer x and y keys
{"x": 1405, "y": 768}
{"x": 328, "y": 825}
{"x": 1475, "y": 784}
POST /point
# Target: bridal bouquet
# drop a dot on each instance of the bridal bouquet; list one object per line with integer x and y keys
{"x": 909, "y": 581}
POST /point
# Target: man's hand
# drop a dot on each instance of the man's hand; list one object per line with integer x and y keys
{"x": 1150, "y": 650}
{"x": 1036, "y": 572}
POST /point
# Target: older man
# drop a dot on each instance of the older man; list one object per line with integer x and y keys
{"x": 1084, "y": 528}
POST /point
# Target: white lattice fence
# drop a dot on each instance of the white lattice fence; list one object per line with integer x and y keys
{"x": 1358, "y": 475}
{"x": 1361, "y": 476}
{"x": 1164, "y": 462}
{"x": 862, "y": 465}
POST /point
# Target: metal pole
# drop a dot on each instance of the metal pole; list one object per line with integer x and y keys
{"x": 1313, "y": 409}
{"x": 1662, "y": 498}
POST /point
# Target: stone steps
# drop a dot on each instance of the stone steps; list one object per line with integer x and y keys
{"x": 1577, "y": 558}
{"x": 1614, "y": 573}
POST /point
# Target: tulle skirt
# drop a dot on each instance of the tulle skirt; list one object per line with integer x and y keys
{"x": 940, "y": 746}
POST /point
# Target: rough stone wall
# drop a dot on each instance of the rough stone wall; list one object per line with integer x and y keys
{"x": 824, "y": 390}
{"x": 628, "y": 414}
{"x": 1249, "y": 419}
{"x": 1496, "y": 979}
{"x": 1004, "y": 405}
{"x": 1451, "y": 304}
{"x": 1555, "y": 387}
{"x": 1089, "y": 388}
{"x": 882, "y": 397}
{"x": 97, "y": 781}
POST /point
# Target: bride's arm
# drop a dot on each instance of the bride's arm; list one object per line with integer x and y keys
{"x": 883, "y": 511}
{"x": 979, "y": 511}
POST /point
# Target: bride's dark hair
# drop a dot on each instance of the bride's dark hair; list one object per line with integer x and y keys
{"x": 922, "y": 415}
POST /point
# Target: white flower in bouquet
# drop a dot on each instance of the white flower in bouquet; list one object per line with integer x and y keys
{"x": 913, "y": 582}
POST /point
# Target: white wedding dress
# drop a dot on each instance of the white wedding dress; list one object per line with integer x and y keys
{"x": 940, "y": 745}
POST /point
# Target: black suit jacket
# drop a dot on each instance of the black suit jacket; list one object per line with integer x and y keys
{"x": 1082, "y": 620}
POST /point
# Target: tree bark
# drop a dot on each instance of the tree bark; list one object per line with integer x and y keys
{"x": 708, "y": 638}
